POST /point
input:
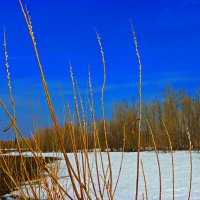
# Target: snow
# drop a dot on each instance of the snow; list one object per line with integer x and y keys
{"x": 126, "y": 186}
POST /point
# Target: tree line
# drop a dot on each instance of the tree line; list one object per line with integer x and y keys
{"x": 176, "y": 112}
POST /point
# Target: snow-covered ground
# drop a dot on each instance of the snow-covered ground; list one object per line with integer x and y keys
{"x": 126, "y": 186}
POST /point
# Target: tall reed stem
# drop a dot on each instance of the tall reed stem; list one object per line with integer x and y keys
{"x": 140, "y": 108}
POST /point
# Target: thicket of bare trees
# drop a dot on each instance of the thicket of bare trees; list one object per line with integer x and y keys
{"x": 177, "y": 110}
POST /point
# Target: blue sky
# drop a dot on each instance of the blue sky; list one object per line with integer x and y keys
{"x": 168, "y": 34}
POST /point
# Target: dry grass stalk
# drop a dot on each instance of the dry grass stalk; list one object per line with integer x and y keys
{"x": 82, "y": 125}
{"x": 140, "y": 107}
{"x": 145, "y": 182}
{"x": 103, "y": 115}
{"x": 51, "y": 109}
{"x": 8, "y": 76}
{"x": 121, "y": 163}
{"x": 157, "y": 158}
{"x": 14, "y": 113}
{"x": 80, "y": 129}
{"x": 96, "y": 139}
{"x": 172, "y": 157}
{"x": 190, "y": 150}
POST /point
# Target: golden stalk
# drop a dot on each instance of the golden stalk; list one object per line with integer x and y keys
{"x": 172, "y": 157}
{"x": 157, "y": 158}
{"x": 140, "y": 107}
{"x": 145, "y": 182}
{"x": 103, "y": 113}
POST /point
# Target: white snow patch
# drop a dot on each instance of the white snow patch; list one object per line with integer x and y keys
{"x": 126, "y": 186}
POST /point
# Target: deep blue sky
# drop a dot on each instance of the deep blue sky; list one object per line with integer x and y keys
{"x": 168, "y": 34}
